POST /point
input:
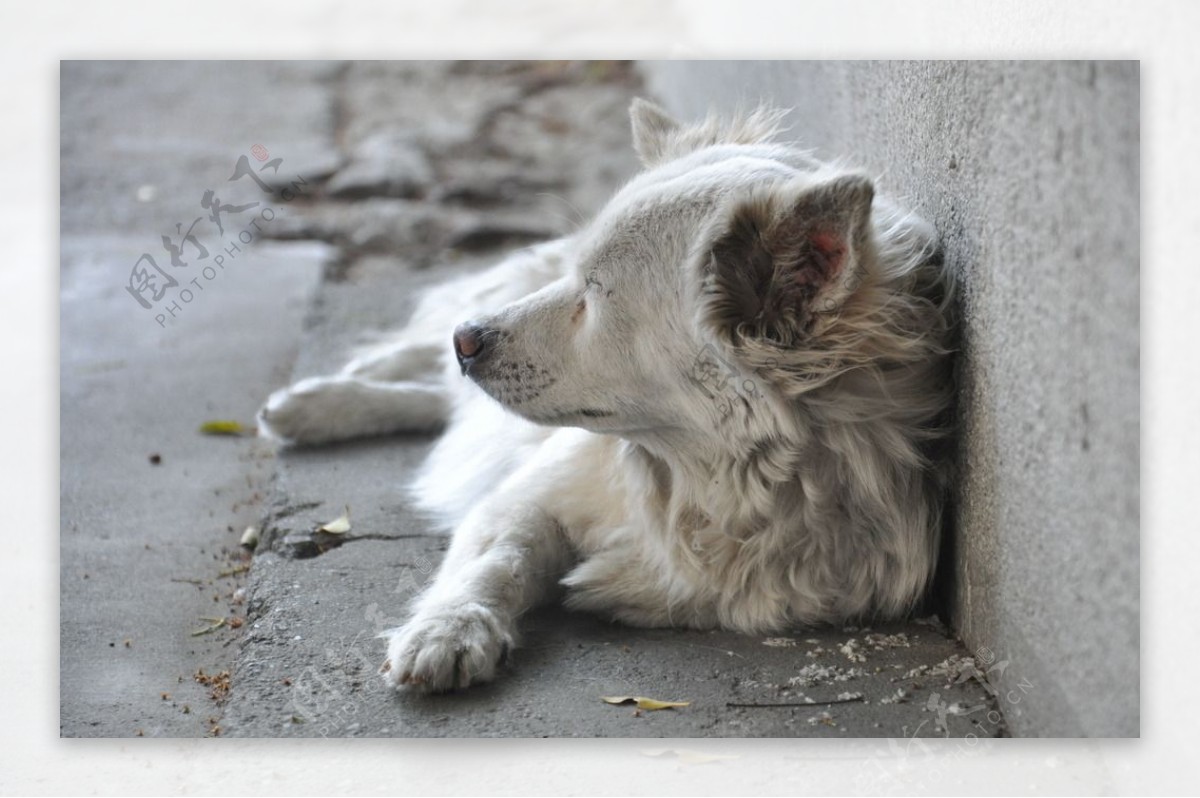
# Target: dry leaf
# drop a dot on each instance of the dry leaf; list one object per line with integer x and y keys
{"x": 213, "y": 625}
{"x": 222, "y": 428}
{"x": 339, "y": 525}
{"x": 643, "y": 702}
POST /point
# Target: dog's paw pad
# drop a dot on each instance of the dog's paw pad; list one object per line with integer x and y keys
{"x": 448, "y": 649}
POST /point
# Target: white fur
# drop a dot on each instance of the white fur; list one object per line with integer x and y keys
{"x": 800, "y": 484}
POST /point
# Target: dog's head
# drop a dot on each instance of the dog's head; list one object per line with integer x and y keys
{"x": 725, "y": 252}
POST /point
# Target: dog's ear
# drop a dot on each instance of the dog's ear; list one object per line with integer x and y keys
{"x": 787, "y": 254}
{"x": 652, "y": 130}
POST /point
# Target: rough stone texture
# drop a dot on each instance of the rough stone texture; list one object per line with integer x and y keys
{"x": 1031, "y": 173}
{"x": 309, "y": 661}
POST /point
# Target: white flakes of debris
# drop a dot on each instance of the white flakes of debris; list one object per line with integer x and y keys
{"x": 811, "y": 640}
{"x": 880, "y": 642}
{"x": 813, "y": 674}
{"x": 853, "y": 650}
{"x": 779, "y": 642}
{"x": 823, "y": 718}
{"x": 899, "y": 697}
{"x": 955, "y": 668}
{"x": 849, "y": 696}
{"x": 816, "y": 652}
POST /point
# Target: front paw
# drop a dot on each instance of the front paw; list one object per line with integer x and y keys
{"x": 447, "y": 648}
{"x": 307, "y": 412}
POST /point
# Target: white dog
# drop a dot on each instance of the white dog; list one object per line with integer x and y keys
{"x": 723, "y": 403}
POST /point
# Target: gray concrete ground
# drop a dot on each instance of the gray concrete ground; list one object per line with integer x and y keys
{"x": 151, "y": 511}
{"x": 1031, "y": 173}
{"x": 436, "y": 168}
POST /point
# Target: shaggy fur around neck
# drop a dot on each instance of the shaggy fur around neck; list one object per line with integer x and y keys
{"x": 821, "y": 497}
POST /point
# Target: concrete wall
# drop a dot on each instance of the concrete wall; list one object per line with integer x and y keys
{"x": 1031, "y": 173}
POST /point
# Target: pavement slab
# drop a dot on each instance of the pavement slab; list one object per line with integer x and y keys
{"x": 151, "y": 512}
{"x": 308, "y": 667}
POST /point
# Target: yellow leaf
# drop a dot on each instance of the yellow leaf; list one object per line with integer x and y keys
{"x": 222, "y": 428}
{"x": 643, "y": 702}
{"x": 339, "y": 525}
{"x": 650, "y": 703}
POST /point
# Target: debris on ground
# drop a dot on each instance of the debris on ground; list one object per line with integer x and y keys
{"x": 804, "y": 701}
{"x": 816, "y": 674}
{"x": 213, "y": 625}
{"x": 882, "y": 642}
{"x": 915, "y": 673}
{"x": 956, "y": 668}
{"x": 779, "y": 642}
{"x": 643, "y": 703}
{"x": 223, "y": 427}
{"x": 853, "y": 650}
{"x": 218, "y": 683}
{"x": 338, "y": 526}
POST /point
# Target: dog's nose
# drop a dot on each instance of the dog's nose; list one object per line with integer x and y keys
{"x": 469, "y": 343}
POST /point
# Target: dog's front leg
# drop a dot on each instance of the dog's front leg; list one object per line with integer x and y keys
{"x": 503, "y": 559}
